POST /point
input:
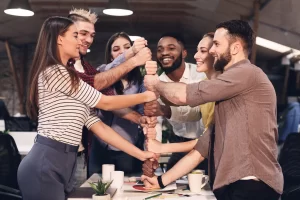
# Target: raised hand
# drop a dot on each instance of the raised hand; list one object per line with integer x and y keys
{"x": 150, "y": 81}
{"x": 149, "y": 166}
{"x": 149, "y": 122}
{"x": 152, "y": 182}
{"x": 142, "y": 56}
{"x": 151, "y": 67}
{"x": 153, "y": 108}
{"x": 147, "y": 155}
{"x": 150, "y": 96}
{"x": 138, "y": 45}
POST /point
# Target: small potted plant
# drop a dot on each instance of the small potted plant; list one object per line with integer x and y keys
{"x": 100, "y": 189}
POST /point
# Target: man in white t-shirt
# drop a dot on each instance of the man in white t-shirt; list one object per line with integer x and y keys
{"x": 185, "y": 120}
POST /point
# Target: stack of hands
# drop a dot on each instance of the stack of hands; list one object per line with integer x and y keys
{"x": 142, "y": 55}
{"x": 149, "y": 166}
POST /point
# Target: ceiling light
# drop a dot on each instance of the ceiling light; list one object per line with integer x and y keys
{"x": 272, "y": 45}
{"x": 134, "y": 37}
{"x": 118, "y": 8}
{"x": 88, "y": 51}
{"x": 294, "y": 53}
{"x": 19, "y": 8}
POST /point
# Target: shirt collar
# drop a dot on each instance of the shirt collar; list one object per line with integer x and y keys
{"x": 186, "y": 73}
{"x": 241, "y": 62}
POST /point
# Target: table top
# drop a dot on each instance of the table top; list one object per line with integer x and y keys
{"x": 124, "y": 195}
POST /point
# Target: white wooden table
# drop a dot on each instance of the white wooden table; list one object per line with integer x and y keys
{"x": 122, "y": 195}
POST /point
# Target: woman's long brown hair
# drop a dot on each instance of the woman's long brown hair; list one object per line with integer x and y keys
{"x": 47, "y": 55}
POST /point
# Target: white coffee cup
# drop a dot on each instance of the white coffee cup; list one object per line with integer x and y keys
{"x": 196, "y": 182}
{"x": 198, "y": 171}
{"x": 117, "y": 178}
{"x": 106, "y": 171}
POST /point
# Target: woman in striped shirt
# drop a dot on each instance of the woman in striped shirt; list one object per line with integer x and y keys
{"x": 63, "y": 105}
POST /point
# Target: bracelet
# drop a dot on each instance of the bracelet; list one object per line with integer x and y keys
{"x": 160, "y": 183}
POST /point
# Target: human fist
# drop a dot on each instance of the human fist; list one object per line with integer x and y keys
{"x": 142, "y": 56}
{"x": 151, "y": 67}
{"x": 138, "y": 45}
{"x": 150, "y": 81}
{"x": 149, "y": 122}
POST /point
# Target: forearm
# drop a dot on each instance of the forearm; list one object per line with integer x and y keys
{"x": 178, "y": 147}
{"x": 120, "y": 101}
{"x": 107, "y": 78}
{"x": 128, "y": 114}
{"x": 109, "y": 136}
{"x": 173, "y": 92}
{"x": 182, "y": 168}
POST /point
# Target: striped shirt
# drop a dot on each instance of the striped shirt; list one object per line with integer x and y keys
{"x": 63, "y": 114}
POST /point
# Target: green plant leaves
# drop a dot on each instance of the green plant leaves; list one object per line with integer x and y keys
{"x": 100, "y": 187}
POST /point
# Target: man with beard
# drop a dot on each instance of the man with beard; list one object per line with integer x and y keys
{"x": 185, "y": 121}
{"x": 244, "y": 149}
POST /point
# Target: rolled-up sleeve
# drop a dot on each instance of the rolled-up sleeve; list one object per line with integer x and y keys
{"x": 202, "y": 145}
{"x": 231, "y": 83}
{"x": 193, "y": 95}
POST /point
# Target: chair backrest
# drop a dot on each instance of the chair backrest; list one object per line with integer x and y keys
{"x": 10, "y": 159}
{"x": 290, "y": 163}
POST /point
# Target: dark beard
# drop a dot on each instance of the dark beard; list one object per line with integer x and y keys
{"x": 220, "y": 64}
{"x": 177, "y": 63}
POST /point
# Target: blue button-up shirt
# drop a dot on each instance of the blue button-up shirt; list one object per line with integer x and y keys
{"x": 127, "y": 129}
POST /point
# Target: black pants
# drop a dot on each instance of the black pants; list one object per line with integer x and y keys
{"x": 246, "y": 190}
{"x": 175, "y": 157}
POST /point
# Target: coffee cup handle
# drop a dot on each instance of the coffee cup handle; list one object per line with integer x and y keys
{"x": 205, "y": 182}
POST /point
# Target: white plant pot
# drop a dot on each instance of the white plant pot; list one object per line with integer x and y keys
{"x": 104, "y": 197}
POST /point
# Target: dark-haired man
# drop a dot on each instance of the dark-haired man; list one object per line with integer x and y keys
{"x": 185, "y": 120}
{"x": 245, "y": 150}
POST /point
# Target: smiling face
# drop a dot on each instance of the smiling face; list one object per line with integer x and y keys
{"x": 170, "y": 54}
{"x": 68, "y": 43}
{"x": 86, "y": 34}
{"x": 203, "y": 58}
{"x": 221, "y": 49}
